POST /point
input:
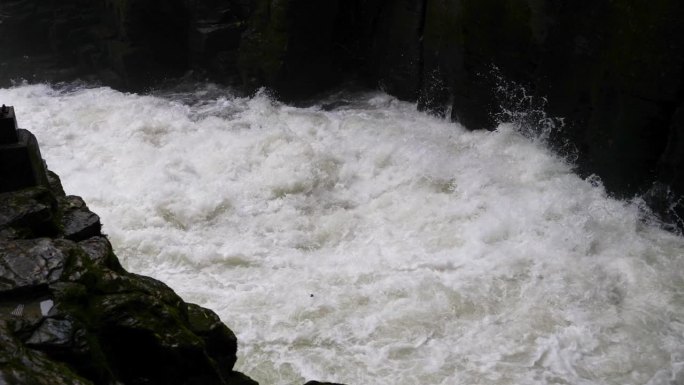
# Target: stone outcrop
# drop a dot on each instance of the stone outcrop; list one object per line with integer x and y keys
{"x": 612, "y": 70}
{"x": 70, "y": 314}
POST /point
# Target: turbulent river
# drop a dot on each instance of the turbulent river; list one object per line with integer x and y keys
{"x": 369, "y": 243}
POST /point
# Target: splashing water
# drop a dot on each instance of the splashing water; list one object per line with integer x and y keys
{"x": 372, "y": 244}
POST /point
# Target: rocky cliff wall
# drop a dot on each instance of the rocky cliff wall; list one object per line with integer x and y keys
{"x": 612, "y": 70}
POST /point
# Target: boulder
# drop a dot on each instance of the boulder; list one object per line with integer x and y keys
{"x": 78, "y": 223}
{"x": 215, "y": 34}
{"x": 149, "y": 40}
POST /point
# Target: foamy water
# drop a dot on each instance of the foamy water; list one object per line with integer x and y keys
{"x": 372, "y": 244}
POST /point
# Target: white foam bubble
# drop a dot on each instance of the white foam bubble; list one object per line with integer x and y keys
{"x": 372, "y": 243}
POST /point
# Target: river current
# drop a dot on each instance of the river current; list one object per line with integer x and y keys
{"x": 364, "y": 242}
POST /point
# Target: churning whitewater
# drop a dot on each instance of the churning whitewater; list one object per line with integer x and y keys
{"x": 369, "y": 243}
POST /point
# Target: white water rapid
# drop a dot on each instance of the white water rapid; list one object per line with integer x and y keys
{"x": 371, "y": 244}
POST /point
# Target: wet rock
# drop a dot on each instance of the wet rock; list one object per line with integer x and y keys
{"x": 25, "y": 264}
{"x": 149, "y": 41}
{"x": 615, "y": 76}
{"x": 664, "y": 196}
{"x": 612, "y": 71}
{"x": 214, "y": 46}
{"x": 45, "y": 211}
{"x": 288, "y": 47}
{"x": 28, "y": 213}
{"x": 220, "y": 341}
{"x": 55, "y": 184}
{"x": 20, "y": 365}
{"x": 79, "y": 223}
{"x": 166, "y": 351}
{"x": 462, "y": 42}
{"x": 99, "y": 250}
{"x": 74, "y": 303}
{"x": 396, "y": 57}
{"x": 45, "y": 41}
{"x": 70, "y": 314}
{"x": 52, "y": 332}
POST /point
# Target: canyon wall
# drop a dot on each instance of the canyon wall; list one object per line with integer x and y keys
{"x": 611, "y": 71}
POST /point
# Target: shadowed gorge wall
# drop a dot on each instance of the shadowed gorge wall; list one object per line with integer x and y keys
{"x": 289, "y": 46}
{"x": 612, "y": 69}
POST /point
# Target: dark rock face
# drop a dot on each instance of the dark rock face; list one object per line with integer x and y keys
{"x": 128, "y": 44}
{"x": 215, "y": 30}
{"x": 44, "y": 40}
{"x": 70, "y": 314}
{"x": 28, "y": 213}
{"x": 289, "y": 47}
{"x": 612, "y": 70}
{"x": 617, "y": 79}
{"x": 464, "y": 41}
{"x": 21, "y": 365}
{"x": 78, "y": 223}
{"x": 20, "y": 162}
{"x": 396, "y": 47}
{"x": 149, "y": 42}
